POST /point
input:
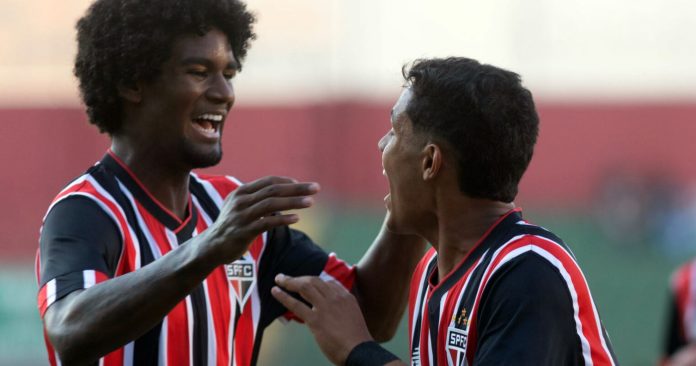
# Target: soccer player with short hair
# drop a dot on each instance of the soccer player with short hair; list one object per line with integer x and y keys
{"x": 141, "y": 261}
{"x": 494, "y": 289}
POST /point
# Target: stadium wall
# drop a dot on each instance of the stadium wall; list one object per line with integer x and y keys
{"x": 336, "y": 144}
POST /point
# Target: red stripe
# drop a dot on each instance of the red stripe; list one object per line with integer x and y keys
{"x": 100, "y": 277}
{"x": 341, "y": 271}
{"x": 220, "y": 307}
{"x": 114, "y": 358}
{"x": 244, "y": 337}
{"x": 586, "y": 313}
{"x": 256, "y": 248}
{"x": 178, "y": 336}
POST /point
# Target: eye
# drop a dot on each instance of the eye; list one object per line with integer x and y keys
{"x": 229, "y": 75}
{"x": 199, "y": 73}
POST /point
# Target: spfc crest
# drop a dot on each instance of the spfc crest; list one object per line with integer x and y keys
{"x": 242, "y": 276}
{"x": 456, "y": 346}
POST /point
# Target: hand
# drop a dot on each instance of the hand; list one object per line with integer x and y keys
{"x": 686, "y": 356}
{"x": 254, "y": 208}
{"x": 334, "y": 319}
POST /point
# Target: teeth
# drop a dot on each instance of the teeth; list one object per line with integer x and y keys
{"x": 210, "y": 117}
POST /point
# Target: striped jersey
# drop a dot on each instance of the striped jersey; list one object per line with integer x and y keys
{"x": 518, "y": 297}
{"x": 681, "y": 329}
{"x": 106, "y": 224}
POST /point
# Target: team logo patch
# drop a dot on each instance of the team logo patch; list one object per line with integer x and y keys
{"x": 456, "y": 346}
{"x": 242, "y": 276}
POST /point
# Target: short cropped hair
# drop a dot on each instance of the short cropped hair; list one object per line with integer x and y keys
{"x": 121, "y": 42}
{"x": 483, "y": 113}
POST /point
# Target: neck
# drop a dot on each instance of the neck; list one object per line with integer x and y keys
{"x": 169, "y": 185}
{"x": 461, "y": 223}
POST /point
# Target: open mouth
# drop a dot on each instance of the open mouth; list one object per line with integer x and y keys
{"x": 208, "y": 124}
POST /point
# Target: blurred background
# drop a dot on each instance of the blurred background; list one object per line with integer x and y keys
{"x": 613, "y": 173}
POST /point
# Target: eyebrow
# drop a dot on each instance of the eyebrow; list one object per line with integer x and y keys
{"x": 207, "y": 62}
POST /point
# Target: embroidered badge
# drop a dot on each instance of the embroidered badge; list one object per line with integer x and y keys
{"x": 242, "y": 276}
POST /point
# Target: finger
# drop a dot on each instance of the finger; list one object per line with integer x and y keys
{"x": 296, "y": 306}
{"x": 287, "y": 190}
{"x": 275, "y": 204}
{"x": 260, "y": 183}
{"x": 311, "y": 288}
{"x": 276, "y": 190}
{"x": 269, "y": 222}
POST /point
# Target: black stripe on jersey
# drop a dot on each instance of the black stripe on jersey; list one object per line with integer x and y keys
{"x": 186, "y": 232}
{"x": 139, "y": 194}
{"x": 145, "y": 347}
{"x": 200, "y": 326}
{"x": 204, "y": 199}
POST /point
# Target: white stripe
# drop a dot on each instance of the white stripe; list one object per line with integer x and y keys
{"x": 50, "y": 292}
{"x": 128, "y": 354}
{"x": 234, "y": 180}
{"x": 156, "y": 253}
{"x": 189, "y": 316}
{"x": 162, "y": 359}
{"x": 55, "y": 355}
{"x": 89, "y": 278}
{"x": 212, "y": 354}
{"x": 171, "y": 237}
{"x": 232, "y": 325}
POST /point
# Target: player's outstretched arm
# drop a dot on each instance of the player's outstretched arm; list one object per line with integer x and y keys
{"x": 88, "y": 324}
{"x": 383, "y": 277}
{"x": 334, "y": 319}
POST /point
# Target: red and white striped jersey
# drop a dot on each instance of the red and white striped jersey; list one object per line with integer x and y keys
{"x": 518, "y": 297}
{"x": 681, "y": 329}
{"x": 105, "y": 224}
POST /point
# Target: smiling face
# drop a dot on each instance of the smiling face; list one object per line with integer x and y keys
{"x": 185, "y": 107}
{"x": 402, "y": 157}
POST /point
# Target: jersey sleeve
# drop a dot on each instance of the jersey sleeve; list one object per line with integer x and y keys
{"x": 526, "y": 315}
{"x": 293, "y": 253}
{"x": 680, "y": 286}
{"x": 79, "y": 246}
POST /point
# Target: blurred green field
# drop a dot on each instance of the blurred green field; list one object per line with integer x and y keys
{"x": 629, "y": 284}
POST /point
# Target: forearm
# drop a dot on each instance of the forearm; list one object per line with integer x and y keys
{"x": 383, "y": 277}
{"x": 88, "y": 324}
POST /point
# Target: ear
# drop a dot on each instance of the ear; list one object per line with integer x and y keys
{"x": 432, "y": 161}
{"x": 132, "y": 93}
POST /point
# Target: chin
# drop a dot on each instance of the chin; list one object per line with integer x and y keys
{"x": 203, "y": 158}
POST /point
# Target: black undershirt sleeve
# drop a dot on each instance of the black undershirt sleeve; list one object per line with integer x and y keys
{"x": 290, "y": 252}
{"x": 77, "y": 235}
{"x": 526, "y": 317}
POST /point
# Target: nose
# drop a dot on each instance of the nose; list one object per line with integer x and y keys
{"x": 221, "y": 90}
